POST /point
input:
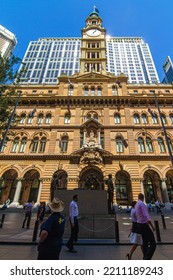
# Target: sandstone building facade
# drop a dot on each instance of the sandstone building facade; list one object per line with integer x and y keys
{"x": 87, "y": 126}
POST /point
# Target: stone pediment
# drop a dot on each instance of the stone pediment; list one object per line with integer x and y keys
{"x": 92, "y": 121}
{"x": 89, "y": 76}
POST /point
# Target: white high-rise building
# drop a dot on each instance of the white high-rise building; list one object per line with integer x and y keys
{"x": 8, "y": 42}
{"x": 49, "y": 58}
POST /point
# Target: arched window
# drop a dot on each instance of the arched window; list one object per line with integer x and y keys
{"x": 70, "y": 89}
{"x": 64, "y": 144}
{"x": 114, "y": 90}
{"x": 89, "y": 116}
{"x": 92, "y": 91}
{"x": 171, "y": 118}
{"x": 85, "y": 91}
{"x": 34, "y": 145}
{"x": 119, "y": 145}
{"x": 117, "y": 118}
{"x": 161, "y": 145}
{"x": 163, "y": 118}
{"x": 149, "y": 145}
{"x": 141, "y": 145}
{"x": 170, "y": 145}
{"x": 40, "y": 119}
{"x": 136, "y": 119}
{"x": 42, "y": 145}
{"x": 22, "y": 118}
{"x": 15, "y": 145}
{"x": 154, "y": 118}
{"x": 30, "y": 119}
{"x": 99, "y": 91}
{"x": 67, "y": 118}
{"x": 144, "y": 118}
{"x": 4, "y": 146}
{"x": 95, "y": 116}
{"x": 48, "y": 119}
{"x": 22, "y": 145}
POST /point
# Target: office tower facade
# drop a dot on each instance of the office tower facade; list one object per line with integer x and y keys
{"x": 168, "y": 70}
{"x": 8, "y": 42}
{"x": 49, "y": 58}
{"x": 73, "y": 134}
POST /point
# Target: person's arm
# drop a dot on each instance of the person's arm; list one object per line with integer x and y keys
{"x": 151, "y": 225}
{"x": 72, "y": 210}
{"x": 43, "y": 235}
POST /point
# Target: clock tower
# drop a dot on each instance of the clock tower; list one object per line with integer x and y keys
{"x": 93, "y": 49}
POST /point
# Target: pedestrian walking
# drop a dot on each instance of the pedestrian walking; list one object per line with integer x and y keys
{"x": 28, "y": 214}
{"x": 145, "y": 228}
{"x": 51, "y": 234}
{"x": 41, "y": 211}
{"x": 110, "y": 194}
{"x": 136, "y": 237}
{"x": 73, "y": 216}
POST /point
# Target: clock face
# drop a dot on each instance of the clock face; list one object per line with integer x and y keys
{"x": 93, "y": 32}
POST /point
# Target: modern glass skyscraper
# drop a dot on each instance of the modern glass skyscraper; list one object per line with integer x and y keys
{"x": 168, "y": 70}
{"x": 49, "y": 58}
{"x": 8, "y": 42}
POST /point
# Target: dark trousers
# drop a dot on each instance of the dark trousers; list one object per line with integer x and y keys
{"x": 48, "y": 255}
{"x": 28, "y": 219}
{"x": 149, "y": 243}
{"x": 74, "y": 234}
{"x": 110, "y": 203}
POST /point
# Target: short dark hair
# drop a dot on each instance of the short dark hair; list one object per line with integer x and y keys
{"x": 140, "y": 196}
{"x": 75, "y": 196}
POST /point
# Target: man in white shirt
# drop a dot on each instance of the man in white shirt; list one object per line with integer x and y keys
{"x": 73, "y": 216}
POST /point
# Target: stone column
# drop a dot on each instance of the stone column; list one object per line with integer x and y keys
{"x": 39, "y": 193}
{"x": 164, "y": 191}
{"x": 99, "y": 140}
{"x": 142, "y": 189}
{"x": 15, "y": 202}
{"x": 84, "y": 137}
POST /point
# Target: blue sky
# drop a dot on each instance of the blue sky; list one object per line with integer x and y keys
{"x": 149, "y": 19}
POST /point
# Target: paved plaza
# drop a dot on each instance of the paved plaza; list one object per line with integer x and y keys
{"x": 17, "y": 243}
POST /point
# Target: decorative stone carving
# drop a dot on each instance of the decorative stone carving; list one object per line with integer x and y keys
{"x": 91, "y": 156}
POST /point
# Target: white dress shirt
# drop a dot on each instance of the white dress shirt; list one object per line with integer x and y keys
{"x": 73, "y": 211}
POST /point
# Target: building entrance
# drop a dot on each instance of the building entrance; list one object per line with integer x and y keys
{"x": 91, "y": 179}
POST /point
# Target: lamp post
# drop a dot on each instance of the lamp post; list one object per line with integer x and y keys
{"x": 164, "y": 130}
{"x": 9, "y": 122}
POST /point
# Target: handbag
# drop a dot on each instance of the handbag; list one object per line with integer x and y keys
{"x": 136, "y": 238}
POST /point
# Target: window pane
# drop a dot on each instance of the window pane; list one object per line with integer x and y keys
{"x": 141, "y": 145}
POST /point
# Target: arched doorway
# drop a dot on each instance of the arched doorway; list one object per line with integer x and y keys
{"x": 91, "y": 179}
{"x": 169, "y": 184}
{"x": 152, "y": 186}
{"x": 8, "y": 185}
{"x": 30, "y": 186}
{"x": 59, "y": 181}
{"x": 123, "y": 188}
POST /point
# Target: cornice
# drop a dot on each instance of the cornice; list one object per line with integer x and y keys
{"x": 106, "y": 101}
{"x": 44, "y": 158}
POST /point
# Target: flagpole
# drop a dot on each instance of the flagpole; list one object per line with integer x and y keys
{"x": 9, "y": 122}
{"x": 164, "y": 130}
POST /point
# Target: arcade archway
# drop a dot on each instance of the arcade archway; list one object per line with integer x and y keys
{"x": 30, "y": 186}
{"x": 91, "y": 179}
{"x": 123, "y": 188}
{"x": 152, "y": 186}
{"x": 8, "y": 185}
